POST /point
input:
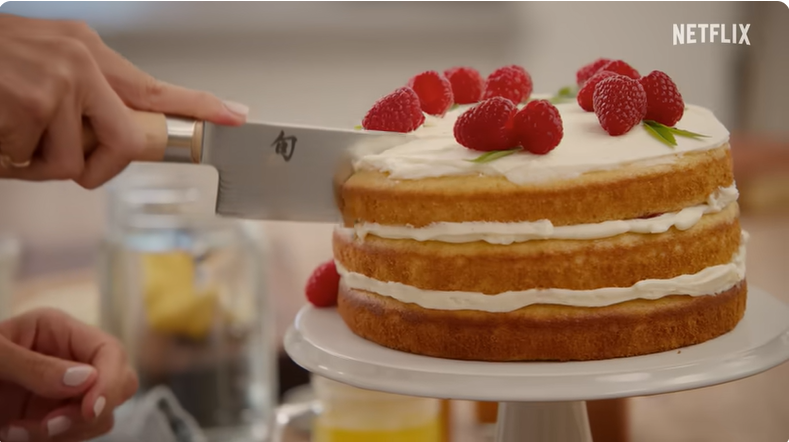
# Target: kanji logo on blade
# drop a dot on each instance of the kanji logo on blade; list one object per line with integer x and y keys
{"x": 284, "y": 146}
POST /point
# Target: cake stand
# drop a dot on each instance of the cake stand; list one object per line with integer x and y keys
{"x": 542, "y": 401}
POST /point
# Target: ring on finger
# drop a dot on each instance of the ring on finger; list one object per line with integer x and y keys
{"x": 7, "y": 163}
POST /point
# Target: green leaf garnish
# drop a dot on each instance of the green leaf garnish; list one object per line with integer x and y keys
{"x": 666, "y": 133}
{"x": 658, "y": 136}
{"x": 687, "y": 133}
{"x": 359, "y": 127}
{"x": 564, "y": 94}
{"x": 568, "y": 91}
{"x": 454, "y": 106}
{"x": 494, "y": 155}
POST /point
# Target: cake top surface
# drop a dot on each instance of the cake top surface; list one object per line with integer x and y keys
{"x": 433, "y": 151}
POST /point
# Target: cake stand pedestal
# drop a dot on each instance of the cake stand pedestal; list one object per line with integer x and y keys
{"x": 542, "y": 401}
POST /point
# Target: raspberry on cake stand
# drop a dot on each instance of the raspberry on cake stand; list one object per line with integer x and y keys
{"x": 542, "y": 401}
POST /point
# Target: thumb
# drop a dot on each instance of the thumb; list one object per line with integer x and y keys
{"x": 45, "y": 376}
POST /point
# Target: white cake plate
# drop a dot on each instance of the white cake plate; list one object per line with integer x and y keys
{"x": 542, "y": 401}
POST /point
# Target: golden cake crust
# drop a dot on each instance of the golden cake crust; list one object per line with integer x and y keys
{"x": 624, "y": 193}
{"x": 544, "y": 332}
{"x": 619, "y": 261}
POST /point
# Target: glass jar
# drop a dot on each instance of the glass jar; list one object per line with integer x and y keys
{"x": 348, "y": 414}
{"x": 183, "y": 290}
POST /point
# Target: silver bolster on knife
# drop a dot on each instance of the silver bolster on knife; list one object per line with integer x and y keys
{"x": 184, "y": 140}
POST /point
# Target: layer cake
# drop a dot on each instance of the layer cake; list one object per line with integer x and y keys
{"x": 608, "y": 246}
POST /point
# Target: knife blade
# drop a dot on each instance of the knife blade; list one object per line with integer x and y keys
{"x": 267, "y": 171}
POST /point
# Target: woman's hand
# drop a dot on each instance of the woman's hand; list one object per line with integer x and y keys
{"x": 60, "y": 379}
{"x": 57, "y": 73}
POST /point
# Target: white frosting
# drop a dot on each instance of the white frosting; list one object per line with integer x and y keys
{"x": 508, "y": 233}
{"x": 432, "y": 150}
{"x": 710, "y": 281}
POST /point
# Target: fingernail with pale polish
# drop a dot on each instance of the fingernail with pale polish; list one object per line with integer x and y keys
{"x": 76, "y": 376}
{"x": 237, "y": 108}
{"x": 98, "y": 407}
{"x": 58, "y": 425}
{"x": 16, "y": 434}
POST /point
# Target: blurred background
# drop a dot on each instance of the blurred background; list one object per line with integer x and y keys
{"x": 326, "y": 63}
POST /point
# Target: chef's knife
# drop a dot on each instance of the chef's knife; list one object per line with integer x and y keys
{"x": 266, "y": 171}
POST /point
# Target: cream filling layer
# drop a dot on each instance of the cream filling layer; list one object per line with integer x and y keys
{"x": 710, "y": 281}
{"x": 508, "y": 233}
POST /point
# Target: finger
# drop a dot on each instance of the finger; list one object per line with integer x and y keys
{"x": 61, "y": 156}
{"x": 101, "y": 166}
{"x": 43, "y": 375}
{"x": 67, "y": 423}
{"x": 81, "y": 432}
{"x": 88, "y": 432}
{"x": 17, "y": 148}
{"x": 111, "y": 385}
{"x": 119, "y": 138}
{"x": 141, "y": 91}
{"x": 28, "y": 109}
{"x": 131, "y": 385}
{"x": 115, "y": 379}
{"x": 149, "y": 94}
{"x": 60, "y": 422}
{"x": 23, "y": 431}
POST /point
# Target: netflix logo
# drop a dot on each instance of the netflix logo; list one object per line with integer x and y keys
{"x": 736, "y": 33}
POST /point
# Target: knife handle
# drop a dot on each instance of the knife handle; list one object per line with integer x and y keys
{"x": 167, "y": 138}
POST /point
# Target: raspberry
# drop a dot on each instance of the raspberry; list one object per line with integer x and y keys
{"x": 664, "y": 102}
{"x": 621, "y": 68}
{"x": 467, "y": 84}
{"x": 487, "y": 126}
{"x": 434, "y": 91}
{"x": 538, "y": 127}
{"x": 399, "y": 111}
{"x": 587, "y": 91}
{"x": 323, "y": 285}
{"x": 511, "y": 82}
{"x": 590, "y": 69}
{"x": 619, "y": 103}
